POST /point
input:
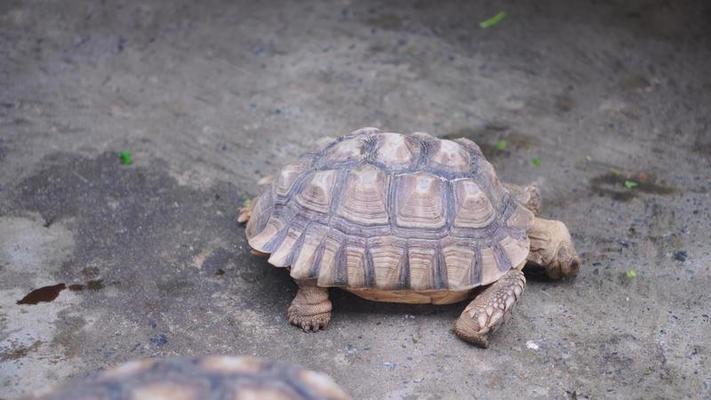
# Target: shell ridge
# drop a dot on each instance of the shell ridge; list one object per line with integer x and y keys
{"x": 425, "y": 147}
{"x": 440, "y": 269}
{"x": 316, "y": 265}
{"x": 502, "y": 260}
{"x": 296, "y": 187}
{"x": 276, "y": 241}
{"x": 404, "y": 277}
{"x": 338, "y": 187}
{"x": 369, "y": 268}
{"x": 369, "y": 145}
{"x": 296, "y": 249}
{"x": 393, "y": 181}
{"x": 449, "y": 206}
{"x": 475, "y": 267}
{"x": 341, "y": 265}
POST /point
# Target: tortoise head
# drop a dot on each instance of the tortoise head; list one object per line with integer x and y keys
{"x": 565, "y": 263}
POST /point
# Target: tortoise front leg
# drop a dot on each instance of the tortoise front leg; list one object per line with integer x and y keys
{"x": 529, "y": 196}
{"x": 311, "y": 308}
{"x": 487, "y": 312}
{"x": 552, "y": 248}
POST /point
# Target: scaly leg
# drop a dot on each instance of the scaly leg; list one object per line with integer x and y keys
{"x": 245, "y": 212}
{"x": 552, "y": 248}
{"x": 486, "y": 313}
{"x": 311, "y": 309}
{"x": 529, "y": 196}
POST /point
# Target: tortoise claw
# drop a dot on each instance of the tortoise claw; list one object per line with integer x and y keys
{"x": 309, "y": 323}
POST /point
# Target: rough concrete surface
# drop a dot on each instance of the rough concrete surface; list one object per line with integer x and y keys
{"x": 211, "y": 95}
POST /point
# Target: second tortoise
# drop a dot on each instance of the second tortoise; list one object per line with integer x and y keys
{"x": 408, "y": 219}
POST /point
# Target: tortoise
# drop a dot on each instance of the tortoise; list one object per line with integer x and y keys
{"x": 202, "y": 378}
{"x": 404, "y": 218}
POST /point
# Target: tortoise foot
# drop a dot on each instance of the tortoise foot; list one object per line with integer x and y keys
{"x": 488, "y": 311}
{"x": 468, "y": 334}
{"x": 311, "y": 308}
{"x": 309, "y": 323}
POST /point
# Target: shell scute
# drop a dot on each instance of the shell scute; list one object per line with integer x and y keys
{"x": 283, "y": 255}
{"x": 364, "y": 199}
{"x": 318, "y": 191}
{"x": 450, "y": 156}
{"x": 389, "y": 257}
{"x": 420, "y": 201}
{"x": 347, "y": 150}
{"x": 288, "y": 175}
{"x": 396, "y": 151}
{"x": 308, "y": 256}
{"x": 459, "y": 260}
{"x": 474, "y": 209}
{"x": 422, "y": 260}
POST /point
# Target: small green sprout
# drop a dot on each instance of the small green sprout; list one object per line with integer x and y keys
{"x": 631, "y": 274}
{"x": 631, "y": 184}
{"x": 488, "y": 23}
{"x": 247, "y": 203}
{"x": 536, "y": 162}
{"x": 501, "y": 144}
{"x": 616, "y": 172}
{"x": 126, "y": 157}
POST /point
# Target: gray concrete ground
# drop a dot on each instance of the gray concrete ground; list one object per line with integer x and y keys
{"x": 211, "y": 95}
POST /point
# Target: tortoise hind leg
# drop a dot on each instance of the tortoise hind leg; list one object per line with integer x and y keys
{"x": 487, "y": 312}
{"x": 311, "y": 308}
{"x": 245, "y": 212}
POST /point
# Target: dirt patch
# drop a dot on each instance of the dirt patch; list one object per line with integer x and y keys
{"x": 19, "y": 352}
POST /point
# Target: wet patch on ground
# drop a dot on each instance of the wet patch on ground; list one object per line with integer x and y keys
{"x": 46, "y": 294}
{"x": 627, "y": 186}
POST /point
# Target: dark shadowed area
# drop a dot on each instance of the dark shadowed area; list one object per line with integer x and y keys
{"x": 604, "y": 104}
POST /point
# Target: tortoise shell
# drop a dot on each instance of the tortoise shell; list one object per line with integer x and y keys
{"x": 212, "y": 377}
{"x": 390, "y": 211}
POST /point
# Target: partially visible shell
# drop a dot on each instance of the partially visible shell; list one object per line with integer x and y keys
{"x": 207, "y": 378}
{"x": 388, "y": 211}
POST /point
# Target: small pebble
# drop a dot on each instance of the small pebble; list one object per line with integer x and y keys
{"x": 389, "y": 365}
{"x": 350, "y": 349}
{"x": 159, "y": 340}
{"x": 680, "y": 255}
{"x": 532, "y": 345}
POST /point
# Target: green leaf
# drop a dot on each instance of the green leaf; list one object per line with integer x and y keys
{"x": 488, "y": 23}
{"x": 631, "y": 184}
{"x": 501, "y": 145}
{"x": 631, "y": 274}
{"x": 126, "y": 157}
{"x": 536, "y": 162}
{"x": 616, "y": 172}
